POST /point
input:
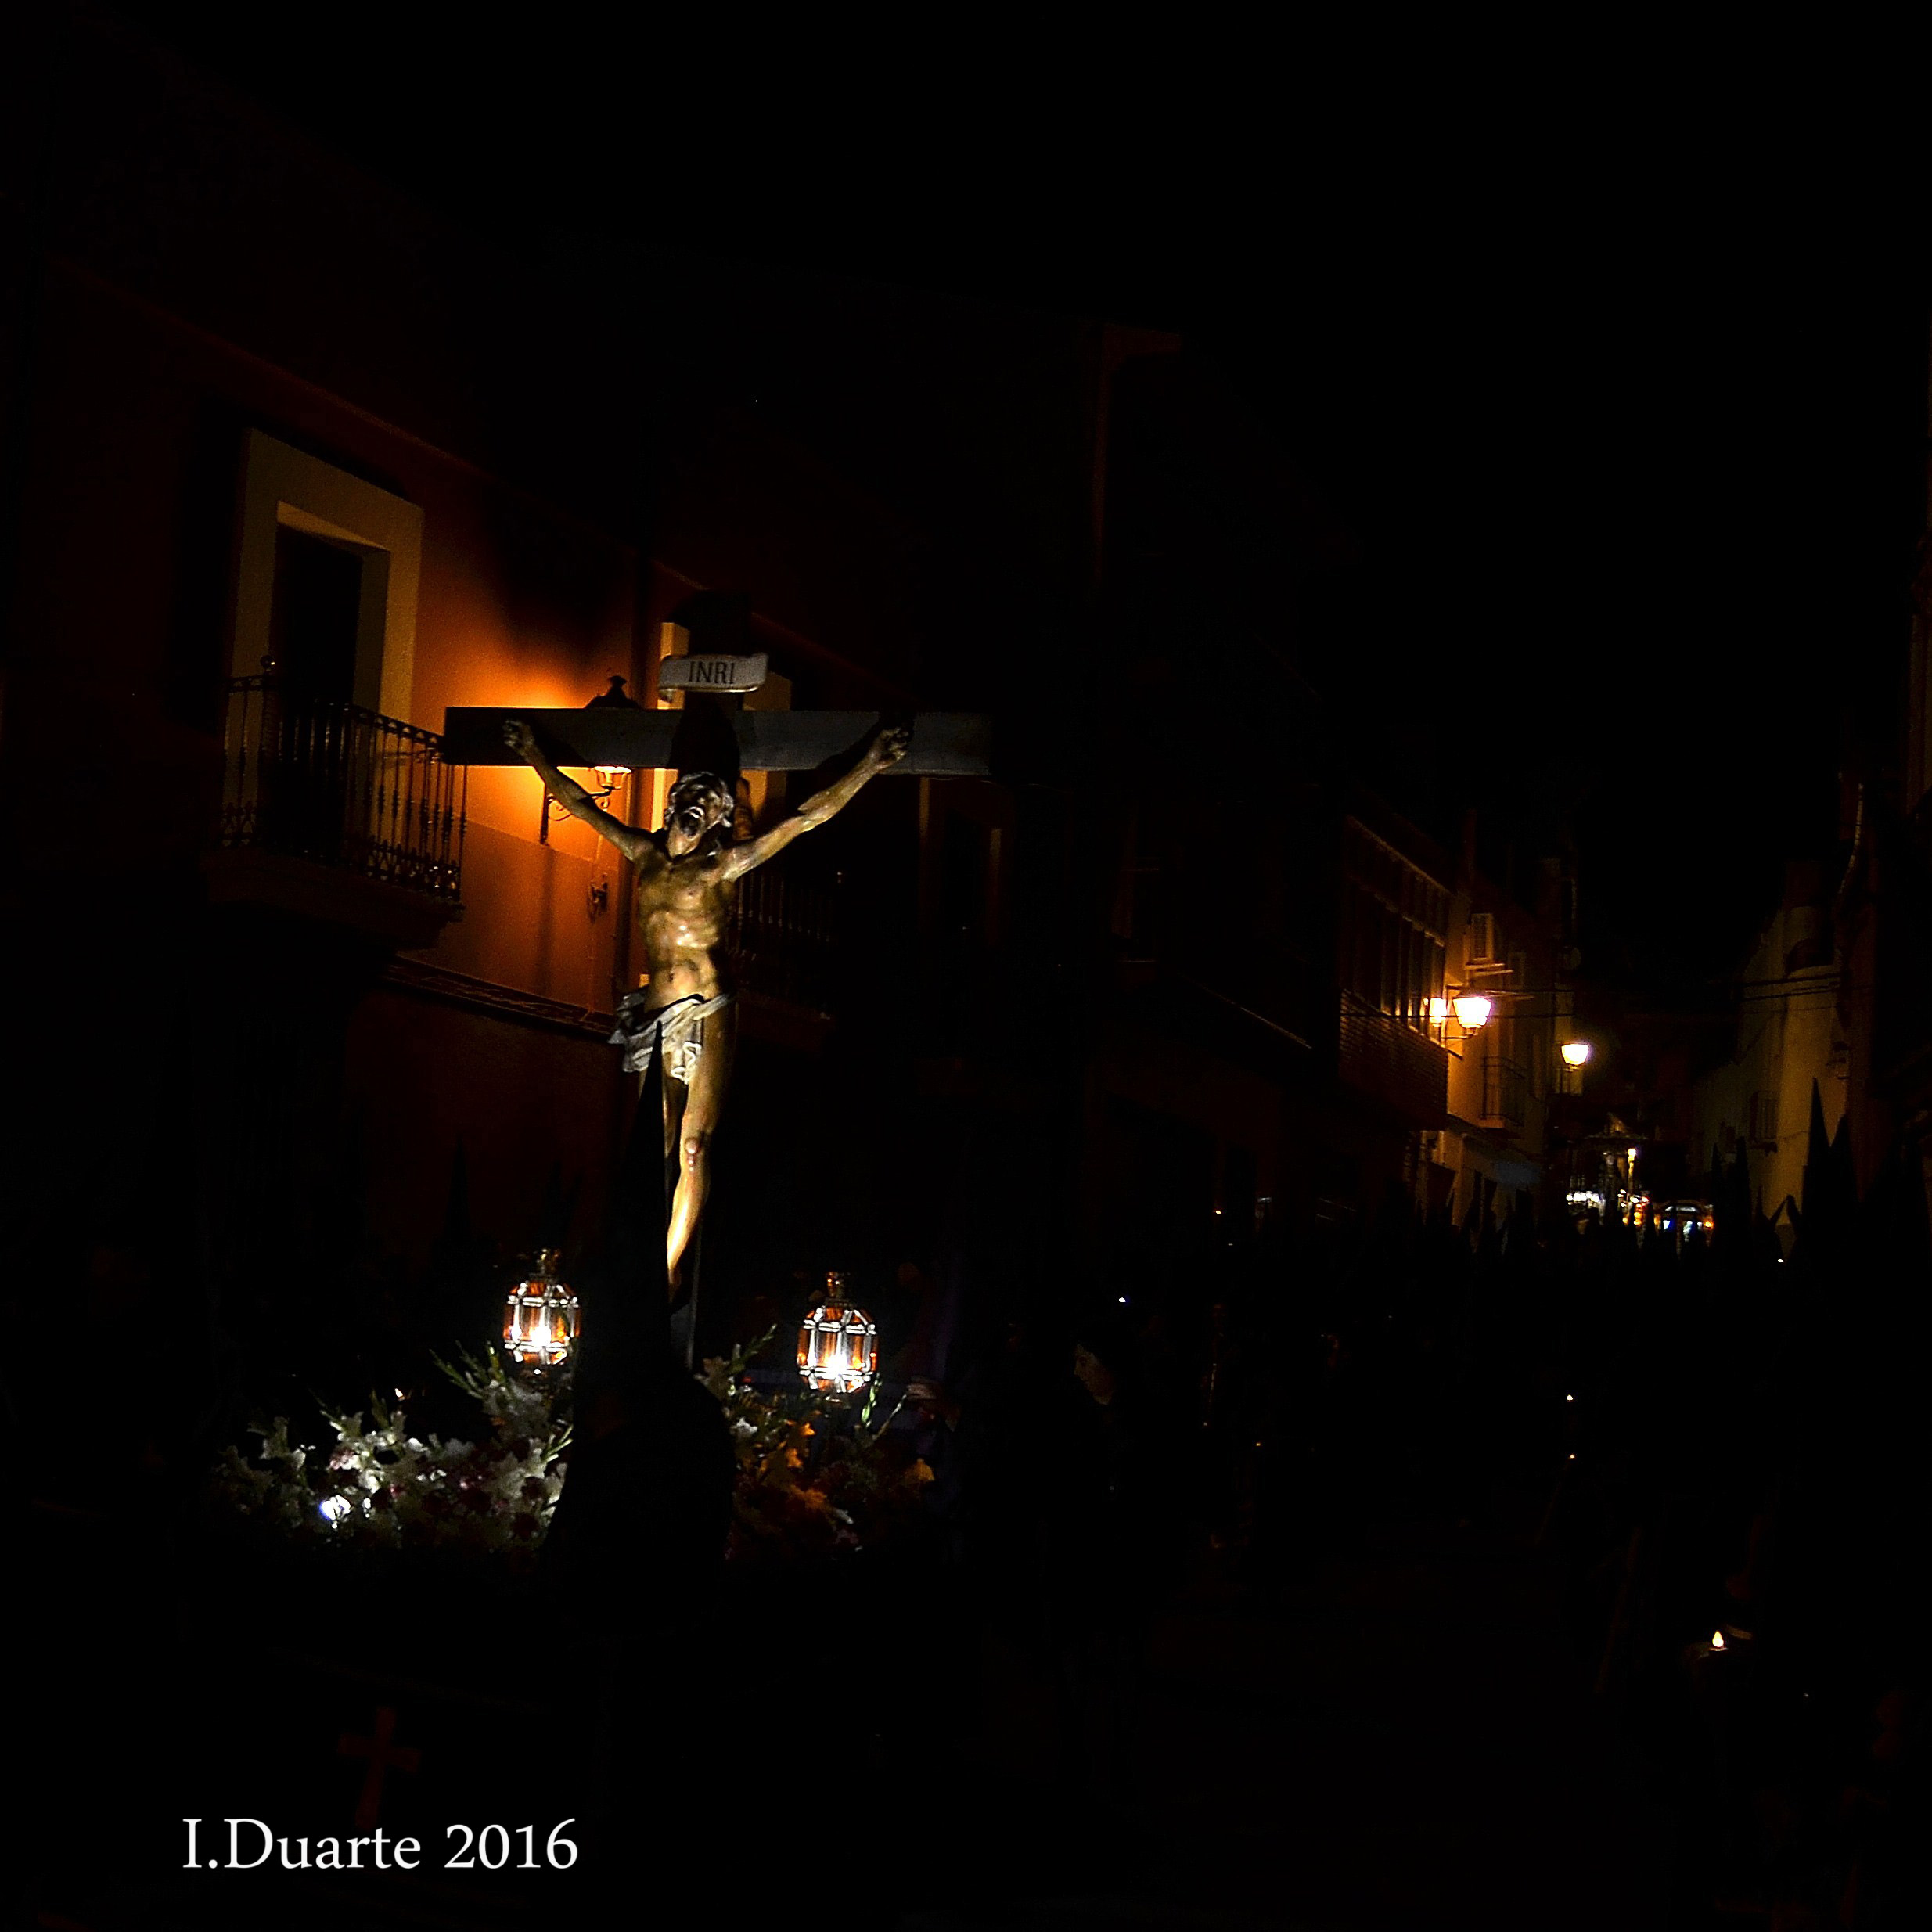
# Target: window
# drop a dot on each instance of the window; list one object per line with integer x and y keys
{"x": 327, "y": 573}
{"x": 1394, "y": 918}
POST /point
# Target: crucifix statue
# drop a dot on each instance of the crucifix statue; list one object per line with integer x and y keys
{"x": 686, "y": 873}
{"x": 686, "y": 879}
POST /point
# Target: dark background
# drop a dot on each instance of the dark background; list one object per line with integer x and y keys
{"x": 1618, "y": 377}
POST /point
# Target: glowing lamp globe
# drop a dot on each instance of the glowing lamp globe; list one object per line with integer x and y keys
{"x": 540, "y": 1318}
{"x": 1473, "y": 1009}
{"x": 838, "y": 1343}
{"x": 1575, "y": 1052}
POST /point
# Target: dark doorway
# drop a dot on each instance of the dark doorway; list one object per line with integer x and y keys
{"x": 316, "y": 614}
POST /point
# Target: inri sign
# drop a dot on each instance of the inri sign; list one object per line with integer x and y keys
{"x": 711, "y": 674}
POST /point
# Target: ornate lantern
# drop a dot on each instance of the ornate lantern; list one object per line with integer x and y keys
{"x": 838, "y": 1343}
{"x": 540, "y": 1318}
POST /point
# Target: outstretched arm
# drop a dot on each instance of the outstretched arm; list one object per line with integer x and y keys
{"x": 571, "y": 796}
{"x": 886, "y": 750}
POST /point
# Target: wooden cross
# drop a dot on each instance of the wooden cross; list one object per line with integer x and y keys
{"x": 945, "y": 744}
{"x": 381, "y": 1754}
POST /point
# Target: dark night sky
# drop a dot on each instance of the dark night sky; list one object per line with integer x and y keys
{"x": 1624, "y": 398}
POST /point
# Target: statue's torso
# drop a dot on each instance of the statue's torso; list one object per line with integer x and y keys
{"x": 683, "y": 912}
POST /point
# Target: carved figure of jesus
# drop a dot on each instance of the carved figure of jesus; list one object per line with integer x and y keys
{"x": 686, "y": 877}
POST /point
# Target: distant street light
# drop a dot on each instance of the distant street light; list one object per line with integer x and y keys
{"x": 1473, "y": 1009}
{"x": 1575, "y": 1052}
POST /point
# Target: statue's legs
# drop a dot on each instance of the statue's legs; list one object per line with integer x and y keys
{"x": 703, "y": 1099}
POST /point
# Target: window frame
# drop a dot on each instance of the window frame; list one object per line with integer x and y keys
{"x": 285, "y": 487}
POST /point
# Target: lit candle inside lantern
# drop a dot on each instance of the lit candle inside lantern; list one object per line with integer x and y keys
{"x": 838, "y": 1343}
{"x": 540, "y": 1317}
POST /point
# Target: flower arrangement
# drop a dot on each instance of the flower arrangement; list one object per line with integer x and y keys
{"x": 380, "y": 1487}
{"x": 815, "y": 1472}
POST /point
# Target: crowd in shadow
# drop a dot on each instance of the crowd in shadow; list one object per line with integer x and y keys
{"x": 1709, "y": 1437}
{"x": 1712, "y": 1434}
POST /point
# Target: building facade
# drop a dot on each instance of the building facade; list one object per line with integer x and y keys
{"x": 1792, "y": 1040}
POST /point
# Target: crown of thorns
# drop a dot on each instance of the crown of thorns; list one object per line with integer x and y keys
{"x": 702, "y": 781}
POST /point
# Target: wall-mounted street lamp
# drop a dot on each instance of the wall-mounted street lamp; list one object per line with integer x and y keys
{"x": 1576, "y": 1056}
{"x": 615, "y": 698}
{"x": 1470, "y": 1010}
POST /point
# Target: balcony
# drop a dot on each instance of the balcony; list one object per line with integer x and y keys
{"x": 1506, "y": 1092}
{"x": 337, "y": 813}
{"x": 780, "y": 945}
{"x": 1385, "y": 1058}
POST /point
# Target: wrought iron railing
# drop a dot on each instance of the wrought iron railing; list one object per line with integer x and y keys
{"x": 1506, "y": 1089}
{"x": 1381, "y": 1054}
{"x": 341, "y": 786}
{"x": 780, "y": 939}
